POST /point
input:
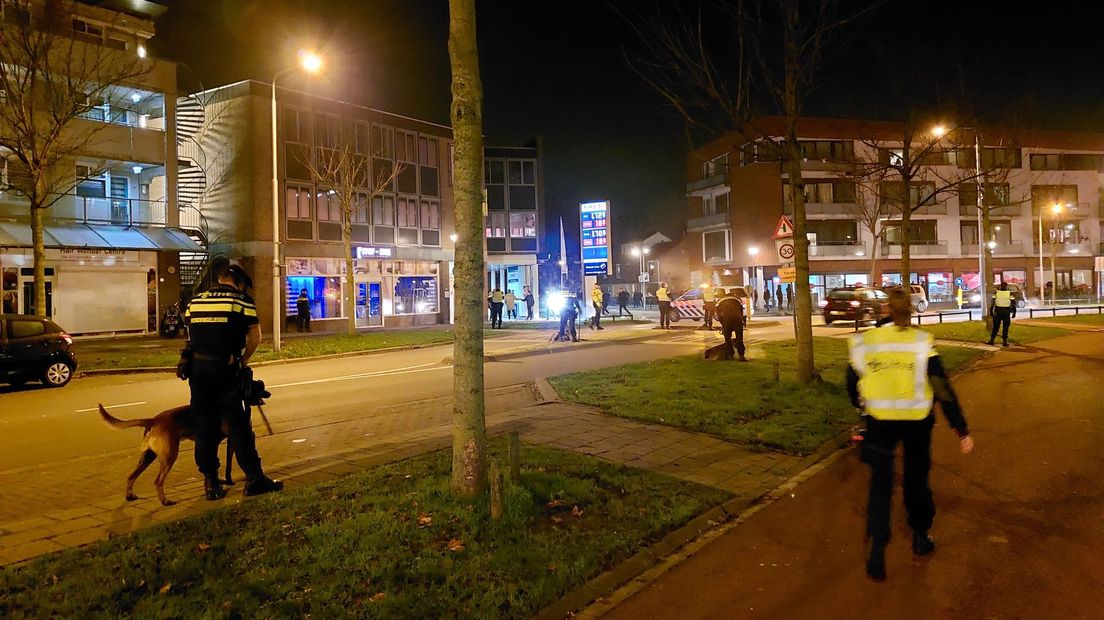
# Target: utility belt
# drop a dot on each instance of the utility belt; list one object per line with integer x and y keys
{"x": 224, "y": 358}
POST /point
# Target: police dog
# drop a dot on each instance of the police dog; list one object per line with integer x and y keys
{"x": 161, "y": 442}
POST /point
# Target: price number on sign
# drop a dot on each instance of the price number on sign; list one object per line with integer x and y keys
{"x": 786, "y": 251}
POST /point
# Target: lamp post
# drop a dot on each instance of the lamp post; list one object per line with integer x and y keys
{"x": 311, "y": 63}
{"x": 754, "y": 252}
{"x": 641, "y": 252}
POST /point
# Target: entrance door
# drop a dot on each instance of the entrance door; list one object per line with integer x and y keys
{"x": 369, "y": 306}
{"x": 27, "y": 280}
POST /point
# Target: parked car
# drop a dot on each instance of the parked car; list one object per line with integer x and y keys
{"x": 972, "y": 297}
{"x": 916, "y": 294}
{"x": 690, "y": 305}
{"x": 34, "y": 348}
{"x": 855, "y": 304}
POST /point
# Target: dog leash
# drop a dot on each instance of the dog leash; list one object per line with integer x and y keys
{"x": 260, "y": 409}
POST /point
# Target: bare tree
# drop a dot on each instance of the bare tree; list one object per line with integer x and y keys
{"x": 50, "y": 85}
{"x": 469, "y": 434}
{"x": 776, "y": 47}
{"x": 347, "y": 178}
{"x": 869, "y": 210}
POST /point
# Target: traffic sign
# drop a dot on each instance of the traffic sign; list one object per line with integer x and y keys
{"x": 644, "y": 277}
{"x": 787, "y": 275}
{"x": 786, "y": 251}
{"x": 958, "y": 282}
{"x": 784, "y": 228}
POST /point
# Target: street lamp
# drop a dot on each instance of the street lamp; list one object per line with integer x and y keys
{"x": 641, "y": 252}
{"x": 311, "y": 63}
{"x": 1055, "y": 209}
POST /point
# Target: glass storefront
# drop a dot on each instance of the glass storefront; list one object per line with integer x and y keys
{"x": 940, "y": 287}
{"x": 415, "y": 295}
{"x": 382, "y": 288}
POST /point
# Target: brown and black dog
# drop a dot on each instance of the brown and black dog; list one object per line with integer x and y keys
{"x": 161, "y": 442}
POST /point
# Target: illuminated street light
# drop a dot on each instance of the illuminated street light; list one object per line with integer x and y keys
{"x": 939, "y": 131}
{"x": 753, "y": 250}
{"x": 310, "y": 61}
{"x": 453, "y": 237}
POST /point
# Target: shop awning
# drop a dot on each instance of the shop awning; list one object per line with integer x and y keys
{"x": 75, "y": 235}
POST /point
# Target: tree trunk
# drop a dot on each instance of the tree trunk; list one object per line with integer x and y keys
{"x": 350, "y": 276}
{"x": 874, "y": 263}
{"x": 39, "y": 260}
{"x": 803, "y": 313}
{"x": 469, "y": 433}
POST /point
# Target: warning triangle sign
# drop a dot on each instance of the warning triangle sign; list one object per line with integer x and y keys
{"x": 784, "y": 228}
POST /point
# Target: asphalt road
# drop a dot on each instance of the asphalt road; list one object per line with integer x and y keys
{"x": 1020, "y": 522}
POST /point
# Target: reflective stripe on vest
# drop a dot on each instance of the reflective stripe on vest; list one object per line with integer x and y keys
{"x": 1004, "y": 299}
{"x": 892, "y": 365}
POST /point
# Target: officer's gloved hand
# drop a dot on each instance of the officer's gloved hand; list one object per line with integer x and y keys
{"x": 184, "y": 364}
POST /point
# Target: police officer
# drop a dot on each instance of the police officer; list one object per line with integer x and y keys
{"x": 223, "y": 334}
{"x": 1003, "y": 310}
{"x": 897, "y": 400}
{"x": 497, "y": 300}
{"x": 709, "y": 303}
{"x": 568, "y": 315}
{"x": 730, "y": 313}
{"x": 596, "y": 299}
{"x": 663, "y": 296}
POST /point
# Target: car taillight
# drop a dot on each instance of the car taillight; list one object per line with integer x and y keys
{"x": 67, "y": 338}
{"x": 855, "y": 304}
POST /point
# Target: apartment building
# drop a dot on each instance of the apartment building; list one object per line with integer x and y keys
{"x": 738, "y": 190}
{"x": 513, "y": 178}
{"x": 113, "y": 236}
{"x": 401, "y": 242}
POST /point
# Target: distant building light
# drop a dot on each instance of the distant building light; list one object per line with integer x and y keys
{"x": 136, "y": 170}
{"x": 141, "y": 51}
{"x": 135, "y": 97}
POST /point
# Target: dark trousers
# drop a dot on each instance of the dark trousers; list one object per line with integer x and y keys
{"x": 217, "y": 397}
{"x": 664, "y": 314}
{"x": 567, "y": 327}
{"x": 496, "y": 314}
{"x": 528, "y": 312}
{"x": 596, "y": 321}
{"x": 302, "y": 321}
{"x": 710, "y": 311}
{"x": 1002, "y": 319}
{"x": 733, "y": 330}
{"x": 623, "y": 309}
{"x": 878, "y": 452}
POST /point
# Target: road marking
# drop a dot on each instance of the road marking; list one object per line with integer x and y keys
{"x": 111, "y": 406}
{"x": 406, "y": 370}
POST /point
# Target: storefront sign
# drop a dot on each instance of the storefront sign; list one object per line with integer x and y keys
{"x": 363, "y": 252}
{"x": 594, "y": 233}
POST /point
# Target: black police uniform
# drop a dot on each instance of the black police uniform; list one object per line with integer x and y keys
{"x": 570, "y": 312}
{"x": 218, "y": 321}
{"x": 730, "y": 312}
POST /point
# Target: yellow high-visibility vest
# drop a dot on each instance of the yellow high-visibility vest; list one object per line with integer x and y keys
{"x": 596, "y": 295}
{"x": 1003, "y": 299}
{"x": 662, "y": 294}
{"x": 892, "y": 365}
{"x": 709, "y": 294}
{"x": 497, "y": 297}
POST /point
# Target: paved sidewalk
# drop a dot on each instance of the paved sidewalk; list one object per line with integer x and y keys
{"x": 79, "y": 507}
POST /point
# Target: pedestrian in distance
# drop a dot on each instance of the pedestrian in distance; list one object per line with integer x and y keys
{"x": 623, "y": 303}
{"x": 730, "y": 314}
{"x": 789, "y": 297}
{"x": 638, "y": 299}
{"x": 223, "y": 334}
{"x": 1003, "y": 309}
{"x": 597, "y": 300}
{"x": 778, "y": 297}
{"x": 709, "y": 304}
{"x": 663, "y": 296}
{"x": 754, "y": 297}
{"x": 511, "y": 305}
{"x": 766, "y": 298}
{"x": 530, "y": 301}
{"x": 568, "y": 314}
{"x": 496, "y": 300}
{"x": 302, "y": 308}
{"x": 895, "y": 377}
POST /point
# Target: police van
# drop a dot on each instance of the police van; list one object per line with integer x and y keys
{"x": 690, "y": 304}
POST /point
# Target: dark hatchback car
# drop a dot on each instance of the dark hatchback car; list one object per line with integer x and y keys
{"x": 855, "y": 304}
{"x": 33, "y": 348}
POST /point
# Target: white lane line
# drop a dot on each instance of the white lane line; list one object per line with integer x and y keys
{"x": 111, "y": 406}
{"x": 366, "y": 375}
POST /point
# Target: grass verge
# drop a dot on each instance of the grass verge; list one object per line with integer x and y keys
{"x": 974, "y": 331}
{"x": 734, "y": 401}
{"x": 1080, "y": 319}
{"x": 389, "y": 542}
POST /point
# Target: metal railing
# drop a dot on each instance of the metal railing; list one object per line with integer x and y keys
{"x": 114, "y": 211}
{"x": 916, "y": 248}
{"x": 1050, "y": 311}
{"x": 837, "y": 248}
{"x": 124, "y": 118}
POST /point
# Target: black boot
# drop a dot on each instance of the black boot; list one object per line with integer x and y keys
{"x": 875, "y": 562}
{"x": 922, "y": 544}
{"x": 212, "y": 487}
{"x": 262, "y": 485}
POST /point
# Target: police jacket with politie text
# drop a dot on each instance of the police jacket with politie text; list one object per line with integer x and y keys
{"x": 218, "y": 320}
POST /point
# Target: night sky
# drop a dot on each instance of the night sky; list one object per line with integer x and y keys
{"x": 558, "y": 68}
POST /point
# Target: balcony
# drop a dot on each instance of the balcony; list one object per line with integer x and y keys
{"x": 1083, "y": 248}
{"x": 1010, "y": 248}
{"x": 917, "y": 248}
{"x": 701, "y": 187}
{"x": 848, "y": 209}
{"x": 930, "y": 209}
{"x": 699, "y": 224}
{"x": 1069, "y": 210}
{"x": 970, "y": 210}
{"x": 837, "y": 249}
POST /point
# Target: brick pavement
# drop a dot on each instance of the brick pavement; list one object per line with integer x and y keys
{"x": 47, "y": 510}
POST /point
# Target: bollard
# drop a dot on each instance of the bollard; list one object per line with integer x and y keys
{"x": 776, "y": 372}
{"x": 496, "y": 490}
{"x": 515, "y": 457}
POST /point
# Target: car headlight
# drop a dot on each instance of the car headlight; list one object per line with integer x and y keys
{"x": 975, "y": 298}
{"x": 823, "y": 303}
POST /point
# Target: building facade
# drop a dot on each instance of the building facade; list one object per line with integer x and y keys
{"x": 401, "y": 242}
{"x": 738, "y": 190}
{"x": 513, "y": 178}
{"x": 113, "y": 233}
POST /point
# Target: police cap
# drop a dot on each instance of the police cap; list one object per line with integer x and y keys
{"x": 238, "y": 275}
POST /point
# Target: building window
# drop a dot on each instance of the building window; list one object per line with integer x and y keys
{"x": 833, "y": 232}
{"x": 827, "y": 150}
{"x": 1067, "y": 161}
{"x": 362, "y": 138}
{"x": 428, "y": 156}
{"x": 299, "y": 216}
{"x": 717, "y": 165}
{"x": 408, "y": 220}
{"x": 296, "y": 125}
{"x": 1044, "y": 196}
{"x": 416, "y": 295}
{"x": 921, "y": 193}
{"x": 496, "y": 226}
{"x": 994, "y": 157}
{"x": 359, "y": 214}
{"x": 715, "y": 204}
{"x": 431, "y": 222}
{"x": 327, "y": 128}
{"x": 996, "y": 194}
{"x": 383, "y": 219}
{"x": 323, "y": 292}
{"x": 523, "y": 225}
{"x": 451, "y": 162}
{"x": 715, "y": 247}
{"x": 494, "y": 181}
{"x": 406, "y": 154}
{"x": 328, "y": 208}
{"x": 763, "y": 151}
{"x": 922, "y": 232}
{"x": 383, "y": 142}
{"x": 523, "y": 185}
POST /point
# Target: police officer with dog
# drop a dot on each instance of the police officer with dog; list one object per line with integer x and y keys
{"x": 568, "y": 314}
{"x": 224, "y": 332}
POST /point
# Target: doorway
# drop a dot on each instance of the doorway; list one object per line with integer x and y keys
{"x": 369, "y": 306}
{"x": 26, "y": 279}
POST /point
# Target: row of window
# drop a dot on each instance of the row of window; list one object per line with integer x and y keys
{"x": 828, "y": 191}
{"x": 383, "y": 219}
{"x": 510, "y": 184}
{"x": 522, "y": 225}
